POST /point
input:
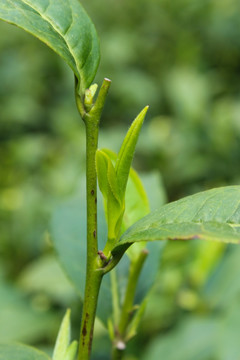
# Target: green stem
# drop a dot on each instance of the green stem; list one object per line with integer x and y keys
{"x": 93, "y": 274}
{"x": 117, "y": 354}
{"x": 93, "y": 278}
{"x": 115, "y": 296}
{"x": 128, "y": 304}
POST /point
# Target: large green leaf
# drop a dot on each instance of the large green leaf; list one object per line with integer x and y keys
{"x": 193, "y": 339}
{"x": 64, "y": 349}
{"x": 69, "y": 235}
{"x": 200, "y": 337}
{"x": 16, "y": 310}
{"x": 64, "y": 26}
{"x": 209, "y": 215}
{"x": 223, "y": 287}
{"x": 20, "y": 352}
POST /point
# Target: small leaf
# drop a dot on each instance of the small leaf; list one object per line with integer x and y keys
{"x": 20, "y": 352}
{"x": 136, "y": 206}
{"x": 63, "y": 349}
{"x": 136, "y": 198}
{"x": 125, "y": 156}
{"x": 108, "y": 185}
{"x": 71, "y": 351}
{"x": 210, "y": 215}
{"x": 102, "y": 170}
{"x": 112, "y": 180}
{"x": 63, "y": 338}
{"x": 64, "y": 26}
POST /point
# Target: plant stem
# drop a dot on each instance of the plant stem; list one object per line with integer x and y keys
{"x": 93, "y": 278}
{"x": 128, "y": 304}
{"x": 117, "y": 354}
{"x": 115, "y": 296}
{"x": 93, "y": 274}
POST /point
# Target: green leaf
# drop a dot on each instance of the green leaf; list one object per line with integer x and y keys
{"x": 108, "y": 185}
{"x": 193, "y": 339}
{"x": 136, "y": 204}
{"x": 223, "y": 287}
{"x": 214, "y": 336}
{"x": 71, "y": 351}
{"x": 15, "y": 310}
{"x": 68, "y": 230}
{"x": 125, "y": 156}
{"x": 20, "y": 352}
{"x": 64, "y": 337}
{"x": 45, "y": 276}
{"x": 102, "y": 170}
{"x": 64, "y": 26}
{"x": 63, "y": 349}
{"x": 210, "y": 215}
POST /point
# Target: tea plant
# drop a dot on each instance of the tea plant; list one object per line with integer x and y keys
{"x": 211, "y": 215}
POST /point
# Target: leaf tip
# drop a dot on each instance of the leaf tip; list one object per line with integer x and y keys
{"x": 145, "y": 110}
{"x": 141, "y": 116}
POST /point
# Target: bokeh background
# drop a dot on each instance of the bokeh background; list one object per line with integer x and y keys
{"x": 183, "y": 59}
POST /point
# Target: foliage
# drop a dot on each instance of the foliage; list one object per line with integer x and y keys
{"x": 193, "y": 92}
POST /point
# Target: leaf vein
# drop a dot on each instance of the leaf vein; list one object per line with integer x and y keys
{"x": 202, "y": 206}
{"x": 234, "y": 212}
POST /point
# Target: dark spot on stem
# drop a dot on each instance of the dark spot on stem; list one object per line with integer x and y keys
{"x": 90, "y": 343}
{"x": 84, "y": 330}
{"x": 94, "y": 233}
{"x": 95, "y": 200}
{"x": 92, "y": 192}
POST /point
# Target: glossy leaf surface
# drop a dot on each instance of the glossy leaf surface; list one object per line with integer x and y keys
{"x": 210, "y": 215}
{"x": 20, "y": 352}
{"x": 64, "y": 26}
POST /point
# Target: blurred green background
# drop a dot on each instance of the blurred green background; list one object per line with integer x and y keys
{"x": 183, "y": 59}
